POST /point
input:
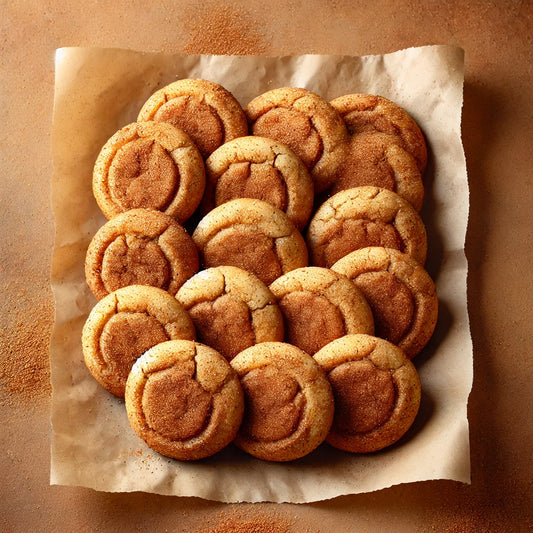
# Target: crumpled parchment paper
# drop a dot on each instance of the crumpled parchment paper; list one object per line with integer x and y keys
{"x": 97, "y": 91}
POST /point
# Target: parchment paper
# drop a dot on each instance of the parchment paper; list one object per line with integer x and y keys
{"x": 97, "y": 91}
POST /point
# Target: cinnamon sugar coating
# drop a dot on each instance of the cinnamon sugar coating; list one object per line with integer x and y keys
{"x": 361, "y": 217}
{"x": 231, "y": 309}
{"x": 318, "y": 306}
{"x": 140, "y": 247}
{"x": 306, "y": 123}
{"x": 258, "y": 167}
{"x": 400, "y": 293}
{"x": 184, "y": 400}
{"x": 288, "y": 402}
{"x": 373, "y": 113}
{"x": 377, "y": 159}
{"x": 205, "y": 110}
{"x": 149, "y": 165}
{"x": 253, "y": 235}
{"x": 376, "y": 389}
{"x": 124, "y": 325}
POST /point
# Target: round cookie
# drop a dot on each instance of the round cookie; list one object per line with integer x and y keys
{"x": 252, "y": 235}
{"x": 319, "y": 305}
{"x": 184, "y": 400}
{"x": 208, "y": 112}
{"x": 288, "y": 402}
{"x": 400, "y": 293}
{"x": 149, "y": 165}
{"x": 231, "y": 309}
{"x": 305, "y": 122}
{"x": 378, "y": 160}
{"x": 376, "y": 389}
{"x": 140, "y": 247}
{"x": 369, "y": 112}
{"x": 257, "y": 167}
{"x": 124, "y": 325}
{"x": 361, "y": 217}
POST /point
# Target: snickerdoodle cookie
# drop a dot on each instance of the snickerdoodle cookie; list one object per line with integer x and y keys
{"x": 257, "y": 167}
{"x": 373, "y": 113}
{"x": 140, "y": 247}
{"x": 124, "y": 325}
{"x": 361, "y": 217}
{"x": 305, "y": 122}
{"x": 320, "y": 305}
{"x": 253, "y": 235}
{"x": 288, "y": 402}
{"x": 206, "y": 111}
{"x": 376, "y": 390}
{"x": 149, "y": 165}
{"x": 231, "y": 309}
{"x": 184, "y": 400}
{"x": 400, "y": 293}
{"x": 377, "y": 159}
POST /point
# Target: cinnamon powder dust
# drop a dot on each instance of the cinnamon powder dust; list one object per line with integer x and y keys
{"x": 220, "y": 29}
{"x": 233, "y": 522}
{"x": 24, "y": 362}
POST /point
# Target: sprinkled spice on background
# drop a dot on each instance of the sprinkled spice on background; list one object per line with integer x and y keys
{"x": 233, "y": 522}
{"x": 24, "y": 361}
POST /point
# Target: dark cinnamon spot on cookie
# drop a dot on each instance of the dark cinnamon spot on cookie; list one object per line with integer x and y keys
{"x": 143, "y": 174}
{"x": 311, "y": 320}
{"x": 290, "y": 127}
{"x": 247, "y": 248}
{"x": 175, "y": 405}
{"x": 252, "y": 180}
{"x": 273, "y": 404}
{"x": 391, "y": 302}
{"x": 131, "y": 260}
{"x": 198, "y": 119}
{"x": 224, "y": 324}
{"x": 365, "y": 397}
{"x": 125, "y": 337}
{"x": 340, "y": 237}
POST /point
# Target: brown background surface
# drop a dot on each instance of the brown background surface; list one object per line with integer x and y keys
{"x": 497, "y": 135}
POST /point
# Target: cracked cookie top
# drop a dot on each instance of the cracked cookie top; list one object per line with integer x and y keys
{"x": 288, "y": 402}
{"x": 257, "y": 167}
{"x": 376, "y": 390}
{"x": 400, "y": 293}
{"x": 206, "y": 111}
{"x": 231, "y": 309}
{"x": 124, "y": 325}
{"x": 361, "y": 217}
{"x": 140, "y": 247}
{"x": 306, "y": 123}
{"x": 184, "y": 400}
{"x": 149, "y": 165}
{"x": 319, "y": 305}
{"x": 372, "y": 113}
{"x": 378, "y": 160}
{"x": 253, "y": 235}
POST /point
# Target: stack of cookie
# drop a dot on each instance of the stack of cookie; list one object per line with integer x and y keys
{"x": 261, "y": 275}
